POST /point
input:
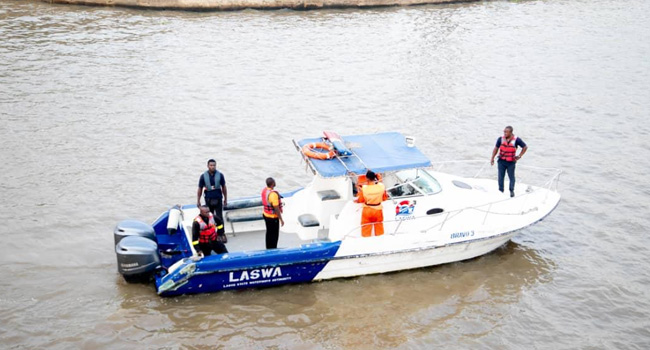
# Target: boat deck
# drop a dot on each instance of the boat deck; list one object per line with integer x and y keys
{"x": 256, "y": 240}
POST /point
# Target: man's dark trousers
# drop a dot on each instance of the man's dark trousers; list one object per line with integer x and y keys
{"x": 217, "y": 246}
{"x": 216, "y": 207}
{"x": 272, "y": 232}
{"x": 508, "y": 167}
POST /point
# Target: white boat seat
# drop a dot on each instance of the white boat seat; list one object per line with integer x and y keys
{"x": 328, "y": 195}
{"x": 308, "y": 220}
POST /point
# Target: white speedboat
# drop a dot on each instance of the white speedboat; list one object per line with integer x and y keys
{"x": 431, "y": 218}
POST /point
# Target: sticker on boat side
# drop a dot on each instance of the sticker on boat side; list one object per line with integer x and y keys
{"x": 462, "y": 234}
{"x": 255, "y": 276}
{"x": 404, "y": 210}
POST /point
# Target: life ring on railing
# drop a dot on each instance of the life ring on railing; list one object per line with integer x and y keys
{"x": 310, "y": 150}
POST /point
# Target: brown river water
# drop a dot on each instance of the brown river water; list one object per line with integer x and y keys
{"x": 109, "y": 113}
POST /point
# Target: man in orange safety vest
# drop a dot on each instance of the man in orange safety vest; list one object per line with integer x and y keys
{"x": 272, "y": 212}
{"x": 372, "y": 195}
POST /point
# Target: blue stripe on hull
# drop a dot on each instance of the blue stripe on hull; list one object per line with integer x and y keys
{"x": 247, "y": 269}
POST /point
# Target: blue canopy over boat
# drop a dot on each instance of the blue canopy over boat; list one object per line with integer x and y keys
{"x": 378, "y": 152}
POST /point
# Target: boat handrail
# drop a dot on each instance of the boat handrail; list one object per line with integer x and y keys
{"x": 448, "y": 216}
{"x": 484, "y": 163}
{"x": 550, "y": 185}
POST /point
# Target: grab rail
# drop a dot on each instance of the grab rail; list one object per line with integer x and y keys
{"x": 551, "y": 185}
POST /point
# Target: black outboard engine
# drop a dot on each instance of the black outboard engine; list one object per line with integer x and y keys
{"x": 137, "y": 250}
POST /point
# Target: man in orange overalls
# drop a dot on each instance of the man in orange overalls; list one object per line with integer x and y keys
{"x": 372, "y": 215}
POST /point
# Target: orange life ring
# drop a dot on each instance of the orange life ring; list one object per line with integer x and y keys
{"x": 309, "y": 150}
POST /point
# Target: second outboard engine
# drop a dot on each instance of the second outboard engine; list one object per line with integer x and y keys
{"x": 136, "y": 250}
{"x": 133, "y": 228}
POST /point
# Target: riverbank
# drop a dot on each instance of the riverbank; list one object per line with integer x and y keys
{"x": 229, "y": 5}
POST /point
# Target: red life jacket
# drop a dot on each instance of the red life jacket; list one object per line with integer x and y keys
{"x": 208, "y": 231}
{"x": 508, "y": 149}
{"x": 268, "y": 208}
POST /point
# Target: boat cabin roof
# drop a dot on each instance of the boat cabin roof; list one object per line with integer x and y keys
{"x": 382, "y": 152}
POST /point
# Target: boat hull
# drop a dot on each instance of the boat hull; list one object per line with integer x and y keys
{"x": 350, "y": 266}
{"x": 246, "y": 269}
{"x": 309, "y": 263}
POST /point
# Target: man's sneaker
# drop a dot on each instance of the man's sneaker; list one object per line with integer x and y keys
{"x": 512, "y": 193}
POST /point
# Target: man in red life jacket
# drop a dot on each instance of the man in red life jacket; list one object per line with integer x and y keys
{"x": 206, "y": 230}
{"x": 372, "y": 195}
{"x": 272, "y": 203}
{"x": 507, "y": 147}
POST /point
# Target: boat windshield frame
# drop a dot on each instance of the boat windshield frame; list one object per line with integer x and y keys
{"x": 421, "y": 181}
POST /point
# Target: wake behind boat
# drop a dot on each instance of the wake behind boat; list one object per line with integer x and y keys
{"x": 430, "y": 218}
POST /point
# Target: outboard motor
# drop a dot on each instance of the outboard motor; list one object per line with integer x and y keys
{"x": 136, "y": 250}
{"x": 133, "y": 228}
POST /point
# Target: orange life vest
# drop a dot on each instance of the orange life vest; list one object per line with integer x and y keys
{"x": 374, "y": 195}
{"x": 268, "y": 208}
{"x": 508, "y": 149}
{"x": 362, "y": 181}
{"x": 208, "y": 231}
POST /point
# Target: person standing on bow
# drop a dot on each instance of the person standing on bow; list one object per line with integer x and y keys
{"x": 372, "y": 195}
{"x": 507, "y": 147}
{"x": 208, "y": 233}
{"x": 272, "y": 202}
{"x": 216, "y": 193}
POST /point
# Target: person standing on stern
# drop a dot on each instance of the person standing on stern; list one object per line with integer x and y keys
{"x": 216, "y": 193}
{"x": 272, "y": 202}
{"x": 507, "y": 147}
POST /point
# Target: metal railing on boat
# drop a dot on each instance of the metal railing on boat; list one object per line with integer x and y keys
{"x": 551, "y": 185}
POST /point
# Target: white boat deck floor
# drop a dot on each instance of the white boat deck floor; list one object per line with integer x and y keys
{"x": 256, "y": 240}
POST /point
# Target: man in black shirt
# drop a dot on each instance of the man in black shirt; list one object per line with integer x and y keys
{"x": 216, "y": 193}
{"x": 206, "y": 233}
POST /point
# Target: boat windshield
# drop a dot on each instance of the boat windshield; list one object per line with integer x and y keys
{"x": 411, "y": 182}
